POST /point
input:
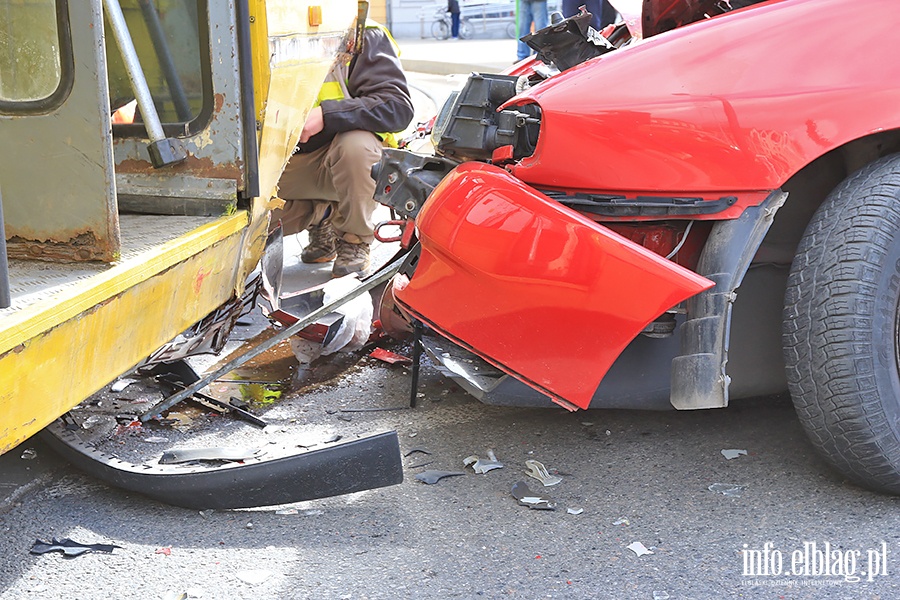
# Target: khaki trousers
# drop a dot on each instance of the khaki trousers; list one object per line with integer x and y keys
{"x": 336, "y": 175}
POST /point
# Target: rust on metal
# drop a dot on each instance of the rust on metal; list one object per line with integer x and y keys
{"x": 79, "y": 248}
{"x": 193, "y": 166}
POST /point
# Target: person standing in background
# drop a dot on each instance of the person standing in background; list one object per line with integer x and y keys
{"x": 529, "y": 11}
{"x": 602, "y": 12}
{"x": 453, "y": 9}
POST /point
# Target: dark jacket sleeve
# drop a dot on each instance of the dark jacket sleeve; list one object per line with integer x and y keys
{"x": 380, "y": 100}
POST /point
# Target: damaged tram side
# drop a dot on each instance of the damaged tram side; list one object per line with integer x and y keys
{"x": 142, "y": 141}
{"x": 706, "y": 214}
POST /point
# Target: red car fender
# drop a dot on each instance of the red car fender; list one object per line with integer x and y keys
{"x": 739, "y": 102}
{"x": 535, "y": 288}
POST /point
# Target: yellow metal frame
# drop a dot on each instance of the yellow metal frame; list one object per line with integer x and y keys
{"x": 60, "y": 351}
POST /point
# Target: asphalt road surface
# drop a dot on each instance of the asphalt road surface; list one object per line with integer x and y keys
{"x": 631, "y": 477}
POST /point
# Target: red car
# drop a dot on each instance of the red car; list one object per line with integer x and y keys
{"x": 710, "y": 213}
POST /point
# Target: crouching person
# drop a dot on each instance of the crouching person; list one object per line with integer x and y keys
{"x": 327, "y": 185}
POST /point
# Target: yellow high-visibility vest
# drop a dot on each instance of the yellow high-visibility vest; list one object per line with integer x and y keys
{"x": 337, "y": 90}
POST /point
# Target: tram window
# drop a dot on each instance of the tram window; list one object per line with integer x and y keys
{"x": 170, "y": 42}
{"x": 35, "y": 55}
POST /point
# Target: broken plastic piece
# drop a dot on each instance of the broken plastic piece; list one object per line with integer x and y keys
{"x": 173, "y": 457}
{"x": 727, "y": 489}
{"x": 287, "y": 511}
{"x": 639, "y": 549}
{"x": 166, "y": 550}
{"x": 483, "y": 466}
{"x": 170, "y": 595}
{"x": 390, "y": 357}
{"x": 622, "y": 521}
{"x": 526, "y": 497}
{"x": 733, "y": 453}
{"x": 574, "y": 511}
{"x": 29, "y": 454}
{"x": 432, "y": 477}
{"x": 539, "y": 472}
{"x": 69, "y": 547}
{"x": 254, "y": 576}
{"x": 121, "y": 384}
{"x": 661, "y": 595}
{"x": 414, "y": 450}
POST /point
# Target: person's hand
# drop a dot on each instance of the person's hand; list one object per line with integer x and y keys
{"x": 315, "y": 123}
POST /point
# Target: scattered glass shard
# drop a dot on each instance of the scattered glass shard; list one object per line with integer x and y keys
{"x": 170, "y": 595}
{"x": 121, "y": 384}
{"x": 638, "y": 548}
{"x": 156, "y": 439}
{"x": 539, "y": 472}
{"x": 731, "y": 453}
{"x": 287, "y": 511}
{"x": 662, "y": 595}
{"x": 254, "y": 576}
{"x": 69, "y": 547}
{"x": 574, "y": 511}
{"x": 727, "y": 489}
{"x": 432, "y": 477}
{"x": 523, "y": 494}
{"x": 29, "y": 454}
{"x": 622, "y": 521}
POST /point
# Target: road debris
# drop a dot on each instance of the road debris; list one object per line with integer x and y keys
{"x": 417, "y": 449}
{"x": 120, "y": 384}
{"x": 574, "y": 511}
{"x": 727, "y": 489}
{"x": 389, "y": 357}
{"x": 523, "y": 494}
{"x": 538, "y": 471}
{"x": 432, "y": 477}
{"x": 622, "y": 521}
{"x": 29, "y": 454}
{"x": 661, "y": 595}
{"x": 69, "y": 547}
{"x": 483, "y": 466}
{"x": 639, "y": 549}
{"x": 254, "y": 576}
{"x": 166, "y": 550}
{"x": 733, "y": 453}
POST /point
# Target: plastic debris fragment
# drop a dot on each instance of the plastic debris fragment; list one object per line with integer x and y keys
{"x": 389, "y": 357}
{"x": 414, "y": 450}
{"x": 523, "y": 494}
{"x": 156, "y": 439}
{"x": 287, "y": 511}
{"x": 254, "y": 576}
{"x": 727, "y": 489}
{"x": 638, "y": 548}
{"x": 622, "y": 521}
{"x": 731, "y": 453}
{"x": 69, "y": 547}
{"x": 356, "y": 326}
{"x": 574, "y": 511}
{"x": 483, "y": 466}
{"x": 121, "y": 384}
{"x": 29, "y": 454}
{"x": 170, "y": 595}
{"x": 661, "y": 595}
{"x": 167, "y": 550}
{"x": 539, "y": 472}
{"x": 432, "y": 477}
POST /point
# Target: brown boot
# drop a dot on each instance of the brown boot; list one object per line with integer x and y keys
{"x": 321, "y": 246}
{"x": 351, "y": 258}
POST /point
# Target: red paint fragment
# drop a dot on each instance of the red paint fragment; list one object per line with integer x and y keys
{"x": 390, "y": 357}
{"x": 166, "y": 550}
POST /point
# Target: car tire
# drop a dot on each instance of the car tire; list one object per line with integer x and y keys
{"x": 511, "y": 30}
{"x": 465, "y": 30}
{"x": 440, "y": 30}
{"x": 841, "y": 324}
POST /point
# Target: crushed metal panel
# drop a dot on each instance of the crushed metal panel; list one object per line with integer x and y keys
{"x": 59, "y": 198}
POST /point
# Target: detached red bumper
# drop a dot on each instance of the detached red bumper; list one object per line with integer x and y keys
{"x": 535, "y": 288}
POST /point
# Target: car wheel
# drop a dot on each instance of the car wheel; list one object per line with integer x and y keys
{"x": 465, "y": 30}
{"x": 841, "y": 327}
{"x": 440, "y": 30}
{"x": 511, "y": 30}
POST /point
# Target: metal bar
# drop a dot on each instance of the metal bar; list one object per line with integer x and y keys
{"x": 166, "y": 63}
{"x": 135, "y": 72}
{"x": 416, "y": 359}
{"x": 248, "y": 102}
{"x": 5, "y": 294}
{"x": 375, "y": 280}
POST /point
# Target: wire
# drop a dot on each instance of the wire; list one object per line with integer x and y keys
{"x": 687, "y": 230}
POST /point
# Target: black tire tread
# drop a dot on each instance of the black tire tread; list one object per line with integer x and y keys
{"x": 828, "y": 329}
